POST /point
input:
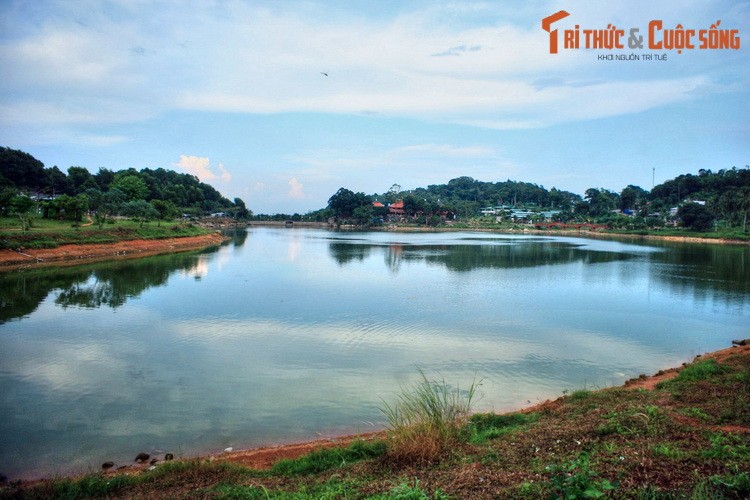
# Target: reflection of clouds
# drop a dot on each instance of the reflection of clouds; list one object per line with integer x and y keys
{"x": 65, "y": 367}
{"x": 293, "y": 248}
{"x": 198, "y": 270}
{"x": 98, "y": 357}
{"x": 223, "y": 258}
{"x": 343, "y": 357}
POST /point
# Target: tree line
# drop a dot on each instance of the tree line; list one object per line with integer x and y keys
{"x": 146, "y": 194}
{"x": 704, "y": 201}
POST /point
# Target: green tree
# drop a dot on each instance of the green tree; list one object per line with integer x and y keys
{"x": 632, "y": 197}
{"x": 21, "y": 169}
{"x": 695, "y": 217}
{"x": 601, "y": 201}
{"x": 133, "y": 186}
{"x": 241, "y": 211}
{"x": 104, "y": 177}
{"x": 177, "y": 194}
{"x": 23, "y": 206}
{"x": 81, "y": 179}
{"x": 414, "y": 205}
{"x": 56, "y": 182}
{"x": 344, "y": 202}
{"x": 140, "y": 211}
{"x": 67, "y": 207}
{"x": 6, "y": 195}
{"x": 743, "y": 204}
{"x": 109, "y": 205}
{"x": 166, "y": 210}
{"x": 363, "y": 214}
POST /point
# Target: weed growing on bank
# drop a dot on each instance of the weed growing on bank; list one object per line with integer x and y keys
{"x": 427, "y": 420}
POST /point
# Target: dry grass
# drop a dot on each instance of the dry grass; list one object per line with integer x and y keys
{"x": 427, "y": 420}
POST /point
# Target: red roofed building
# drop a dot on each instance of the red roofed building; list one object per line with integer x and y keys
{"x": 396, "y": 208}
{"x": 377, "y": 204}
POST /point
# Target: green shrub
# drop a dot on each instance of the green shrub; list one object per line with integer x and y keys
{"x": 577, "y": 480}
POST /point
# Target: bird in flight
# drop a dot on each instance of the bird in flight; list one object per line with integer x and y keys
{"x": 324, "y": 74}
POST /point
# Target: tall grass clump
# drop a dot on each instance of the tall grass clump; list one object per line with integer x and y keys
{"x": 427, "y": 420}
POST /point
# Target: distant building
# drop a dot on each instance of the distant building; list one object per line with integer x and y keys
{"x": 396, "y": 208}
{"x": 494, "y": 210}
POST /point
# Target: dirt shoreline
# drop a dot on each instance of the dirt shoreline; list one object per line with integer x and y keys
{"x": 72, "y": 255}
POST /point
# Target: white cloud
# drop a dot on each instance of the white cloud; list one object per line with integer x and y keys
{"x": 82, "y": 65}
{"x": 200, "y": 168}
{"x": 296, "y": 189}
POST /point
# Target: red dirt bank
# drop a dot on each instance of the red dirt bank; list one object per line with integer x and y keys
{"x": 80, "y": 254}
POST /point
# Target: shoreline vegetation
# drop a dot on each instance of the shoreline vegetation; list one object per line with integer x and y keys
{"x": 681, "y": 433}
{"x": 54, "y": 245}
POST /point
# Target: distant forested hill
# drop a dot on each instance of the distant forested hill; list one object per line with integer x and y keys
{"x": 164, "y": 190}
{"x": 710, "y": 199}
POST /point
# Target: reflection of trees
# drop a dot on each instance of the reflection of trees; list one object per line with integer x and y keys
{"x": 21, "y": 293}
{"x": 393, "y": 257}
{"x": 112, "y": 286}
{"x": 699, "y": 269}
{"x": 527, "y": 254}
{"x": 237, "y": 235}
{"x": 109, "y": 284}
{"x": 346, "y": 252}
{"x": 467, "y": 257}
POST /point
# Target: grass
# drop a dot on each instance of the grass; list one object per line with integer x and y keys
{"x": 668, "y": 443}
{"x": 325, "y": 459}
{"x": 427, "y": 420}
{"x": 47, "y": 233}
{"x": 487, "y": 426}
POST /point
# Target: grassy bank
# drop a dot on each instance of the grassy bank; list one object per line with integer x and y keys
{"x": 47, "y": 233}
{"x": 689, "y": 437}
{"x": 733, "y": 234}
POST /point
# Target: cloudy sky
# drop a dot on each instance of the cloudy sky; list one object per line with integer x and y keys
{"x": 283, "y": 102}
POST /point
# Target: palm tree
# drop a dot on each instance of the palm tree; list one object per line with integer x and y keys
{"x": 743, "y": 204}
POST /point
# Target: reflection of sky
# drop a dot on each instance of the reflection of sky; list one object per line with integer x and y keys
{"x": 279, "y": 341}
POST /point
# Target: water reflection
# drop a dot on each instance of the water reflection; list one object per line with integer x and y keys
{"x": 104, "y": 284}
{"x": 343, "y": 253}
{"x": 698, "y": 270}
{"x": 462, "y": 257}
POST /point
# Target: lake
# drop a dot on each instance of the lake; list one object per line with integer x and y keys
{"x": 286, "y": 335}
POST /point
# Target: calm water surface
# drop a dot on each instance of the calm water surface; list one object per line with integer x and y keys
{"x": 289, "y": 334}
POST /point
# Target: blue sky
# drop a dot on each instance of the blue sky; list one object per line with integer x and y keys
{"x": 417, "y": 93}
